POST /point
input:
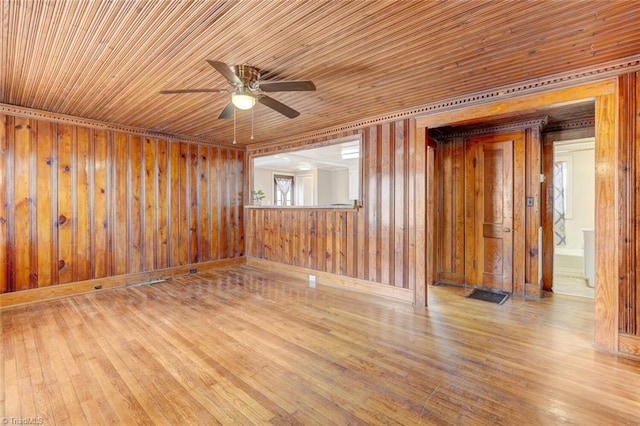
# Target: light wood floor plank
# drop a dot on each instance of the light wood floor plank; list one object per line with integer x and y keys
{"x": 249, "y": 346}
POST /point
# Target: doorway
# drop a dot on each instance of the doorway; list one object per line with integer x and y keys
{"x": 574, "y": 217}
{"x": 610, "y": 206}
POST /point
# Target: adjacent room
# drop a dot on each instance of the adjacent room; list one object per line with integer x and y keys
{"x": 319, "y": 212}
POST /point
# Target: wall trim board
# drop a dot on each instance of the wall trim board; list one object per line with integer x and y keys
{"x": 36, "y": 114}
{"x": 334, "y": 280}
{"x": 42, "y": 294}
{"x": 629, "y": 345}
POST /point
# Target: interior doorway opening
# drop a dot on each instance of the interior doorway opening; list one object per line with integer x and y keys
{"x": 574, "y": 217}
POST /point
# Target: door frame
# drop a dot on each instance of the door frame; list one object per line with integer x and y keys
{"x": 605, "y": 95}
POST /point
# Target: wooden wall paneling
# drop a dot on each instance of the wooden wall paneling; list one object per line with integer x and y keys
{"x": 81, "y": 203}
{"x": 371, "y": 204}
{"x": 546, "y": 207}
{"x": 312, "y": 227}
{"x": 136, "y": 218}
{"x": 276, "y": 242}
{"x": 415, "y": 138}
{"x": 266, "y": 234}
{"x": 373, "y": 243}
{"x": 400, "y": 210}
{"x": 258, "y": 233}
{"x": 272, "y": 232}
{"x": 44, "y": 203}
{"x": 440, "y": 220}
{"x": 100, "y": 207}
{"x": 239, "y": 243}
{"x": 204, "y": 197}
{"x": 636, "y": 208}
{"x": 606, "y": 255}
{"x": 8, "y": 205}
{"x": 349, "y": 247}
{"x": 426, "y": 210}
{"x": 83, "y": 254}
{"x": 33, "y": 208}
{"x": 470, "y": 232}
{"x": 293, "y": 235}
{"x": 232, "y": 203}
{"x": 520, "y": 253}
{"x": 386, "y": 200}
{"x": 422, "y": 206}
{"x": 321, "y": 240}
{"x": 626, "y": 197}
{"x": 20, "y": 248}
{"x": 183, "y": 201}
{"x": 175, "y": 206}
{"x": 361, "y": 237}
{"x": 341, "y": 243}
{"x": 215, "y": 165}
{"x": 163, "y": 191}
{"x": 449, "y": 221}
{"x": 306, "y": 229}
{"x": 280, "y": 231}
{"x": 285, "y": 237}
{"x": 225, "y": 201}
{"x": 532, "y": 219}
{"x": 458, "y": 241}
{"x": 66, "y": 194}
{"x": 121, "y": 197}
{"x": 193, "y": 201}
{"x": 330, "y": 239}
{"x": 4, "y": 187}
{"x": 150, "y": 214}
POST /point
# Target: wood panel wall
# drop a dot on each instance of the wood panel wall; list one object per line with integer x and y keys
{"x": 450, "y": 204}
{"x": 79, "y": 203}
{"x": 375, "y": 242}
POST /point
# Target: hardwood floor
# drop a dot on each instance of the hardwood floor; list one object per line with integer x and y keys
{"x": 249, "y": 346}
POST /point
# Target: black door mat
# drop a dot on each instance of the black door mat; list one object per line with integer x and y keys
{"x": 488, "y": 296}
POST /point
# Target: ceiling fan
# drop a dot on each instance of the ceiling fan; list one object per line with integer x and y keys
{"x": 248, "y": 88}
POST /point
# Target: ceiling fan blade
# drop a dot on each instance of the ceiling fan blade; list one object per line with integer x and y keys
{"x": 168, "y": 92}
{"x": 226, "y": 72}
{"x": 227, "y": 112}
{"x": 278, "y": 106}
{"x": 287, "y": 86}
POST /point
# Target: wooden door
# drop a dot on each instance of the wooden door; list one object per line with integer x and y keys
{"x": 489, "y": 215}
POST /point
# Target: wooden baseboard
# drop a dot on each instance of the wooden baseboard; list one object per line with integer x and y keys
{"x": 334, "y": 280}
{"x": 532, "y": 290}
{"x": 34, "y": 295}
{"x": 629, "y": 345}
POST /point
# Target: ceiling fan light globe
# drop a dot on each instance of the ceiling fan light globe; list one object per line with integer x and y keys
{"x": 243, "y": 101}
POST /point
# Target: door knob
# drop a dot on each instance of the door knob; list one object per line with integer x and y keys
{"x": 507, "y": 229}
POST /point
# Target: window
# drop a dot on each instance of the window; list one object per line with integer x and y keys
{"x": 283, "y": 190}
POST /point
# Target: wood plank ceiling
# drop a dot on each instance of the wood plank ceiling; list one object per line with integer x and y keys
{"x": 107, "y": 60}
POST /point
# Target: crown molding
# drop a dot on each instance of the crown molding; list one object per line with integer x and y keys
{"x": 538, "y": 123}
{"x": 102, "y": 125}
{"x": 584, "y": 75}
{"x": 571, "y": 125}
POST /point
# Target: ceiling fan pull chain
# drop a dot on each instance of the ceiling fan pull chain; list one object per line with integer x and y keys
{"x": 234, "y": 125}
{"x": 251, "y": 123}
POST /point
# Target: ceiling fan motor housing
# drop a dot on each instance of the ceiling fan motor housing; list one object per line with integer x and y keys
{"x": 247, "y": 74}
